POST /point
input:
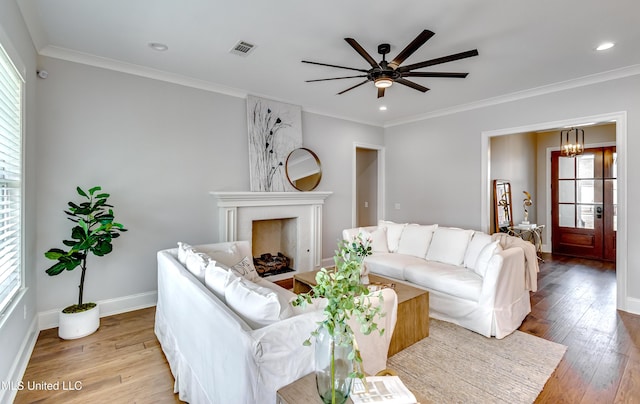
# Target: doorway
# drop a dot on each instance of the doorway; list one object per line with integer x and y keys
{"x": 368, "y": 185}
{"x": 623, "y": 302}
{"x": 584, "y": 203}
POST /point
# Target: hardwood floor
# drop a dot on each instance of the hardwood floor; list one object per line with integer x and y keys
{"x": 121, "y": 363}
{"x": 574, "y": 306}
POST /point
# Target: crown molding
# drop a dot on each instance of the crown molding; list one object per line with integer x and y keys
{"x": 533, "y": 92}
{"x": 130, "y": 68}
{"x": 137, "y": 70}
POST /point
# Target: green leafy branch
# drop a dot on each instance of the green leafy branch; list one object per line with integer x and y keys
{"x": 346, "y": 297}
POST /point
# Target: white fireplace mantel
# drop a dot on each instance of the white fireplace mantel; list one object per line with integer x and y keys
{"x": 238, "y": 210}
{"x": 226, "y": 199}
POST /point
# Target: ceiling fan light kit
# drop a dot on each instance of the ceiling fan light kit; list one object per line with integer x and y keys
{"x": 384, "y": 74}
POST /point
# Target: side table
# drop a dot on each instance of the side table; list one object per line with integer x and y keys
{"x": 532, "y": 233}
{"x": 303, "y": 391}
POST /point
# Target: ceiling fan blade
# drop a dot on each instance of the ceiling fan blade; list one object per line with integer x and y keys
{"x": 339, "y": 67}
{"x": 435, "y": 74}
{"x": 413, "y": 85}
{"x": 444, "y": 59}
{"x": 351, "y": 88}
{"x": 336, "y": 78}
{"x": 355, "y": 45}
{"x": 423, "y": 37}
{"x": 380, "y": 92}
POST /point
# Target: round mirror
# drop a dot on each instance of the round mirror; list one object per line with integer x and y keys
{"x": 303, "y": 169}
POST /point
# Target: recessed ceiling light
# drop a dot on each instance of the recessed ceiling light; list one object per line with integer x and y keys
{"x": 157, "y": 46}
{"x": 383, "y": 108}
{"x": 605, "y": 46}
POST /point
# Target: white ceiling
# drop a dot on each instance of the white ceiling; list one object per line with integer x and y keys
{"x": 523, "y": 45}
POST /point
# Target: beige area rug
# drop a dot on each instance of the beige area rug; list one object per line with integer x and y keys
{"x": 455, "y": 365}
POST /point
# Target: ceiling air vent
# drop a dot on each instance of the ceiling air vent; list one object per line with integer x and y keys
{"x": 242, "y": 48}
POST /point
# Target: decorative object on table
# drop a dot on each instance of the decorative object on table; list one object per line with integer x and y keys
{"x": 93, "y": 232}
{"x": 275, "y": 129}
{"x": 571, "y": 146}
{"x": 337, "y": 357}
{"x": 526, "y": 203}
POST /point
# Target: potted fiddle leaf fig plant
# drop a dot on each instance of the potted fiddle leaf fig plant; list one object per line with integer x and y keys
{"x": 337, "y": 356}
{"x": 93, "y": 233}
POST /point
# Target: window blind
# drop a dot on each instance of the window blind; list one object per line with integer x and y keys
{"x": 10, "y": 180}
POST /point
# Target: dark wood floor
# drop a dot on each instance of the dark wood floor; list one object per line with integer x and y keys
{"x": 574, "y": 306}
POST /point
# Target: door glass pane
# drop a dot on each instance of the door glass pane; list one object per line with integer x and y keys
{"x": 586, "y": 165}
{"x": 614, "y": 166}
{"x": 566, "y": 191}
{"x": 615, "y": 191}
{"x": 566, "y": 167}
{"x": 567, "y": 215}
{"x": 586, "y": 192}
{"x": 615, "y": 217}
{"x": 585, "y": 217}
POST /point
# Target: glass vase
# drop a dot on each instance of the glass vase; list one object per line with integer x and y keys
{"x": 333, "y": 367}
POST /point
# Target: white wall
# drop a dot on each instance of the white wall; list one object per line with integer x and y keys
{"x": 434, "y": 166}
{"x": 513, "y": 158}
{"x": 17, "y": 326}
{"x": 159, "y": 149}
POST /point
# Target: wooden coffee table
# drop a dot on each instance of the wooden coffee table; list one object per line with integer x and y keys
{"x": 413, "y": 309}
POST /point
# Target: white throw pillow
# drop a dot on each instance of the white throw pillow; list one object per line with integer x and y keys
{"x": 449, "y": 245}
{"x": 378, "y": 239}
{"x": 196, "y": 264}
{"x": 228, "y": 254}
{"x": 245, "y": 269}
{"x": 394, "y": 231}
{"x": 415, "y": 239}
{"x": 183, "y": 249}
{"x": 477, "y": 243}
{"x": 257, "y": 305}
{"x": 217, "y": 279}
{"x": 485, "y": 255}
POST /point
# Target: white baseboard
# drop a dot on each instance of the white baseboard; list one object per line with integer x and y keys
{"x": 20, "y": 365}
{"x": 49, "y": 319}
{"x": 633, "y": 305}
{"x": 328, "y": 262}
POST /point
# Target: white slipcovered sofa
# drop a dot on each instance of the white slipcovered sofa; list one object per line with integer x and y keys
{"x": 478, "y": 281}
{"x": 228, "y": 335}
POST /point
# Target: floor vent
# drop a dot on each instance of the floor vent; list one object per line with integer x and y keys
{"x": 242, "y": 48}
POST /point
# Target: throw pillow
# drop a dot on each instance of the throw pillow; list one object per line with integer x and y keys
{"x": 226, "y": 254}
{"x": 448, "y": 245}
{"x": 415, "y": 240}
{"x": 216, "y": 279}
{"x": 378, "y": 239}
{"x": 258, "y": 306}
{"x": 484, "y": 257}
{"x": 196, "y": 264}
{"x": 183, "y": 249}
{"x": 477, "y": 243}
{"x": 394, "y": 231}
{"x": 245, "y": 269}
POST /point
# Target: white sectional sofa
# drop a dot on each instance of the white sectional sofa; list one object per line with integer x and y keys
{"x": 478, "y": 281}
{"x": 229, "y": 337}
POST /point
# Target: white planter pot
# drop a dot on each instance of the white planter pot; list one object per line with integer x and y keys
{"x": 78, "y": 325}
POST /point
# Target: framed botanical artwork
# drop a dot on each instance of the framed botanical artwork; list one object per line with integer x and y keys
{"x": 275, "y": 129}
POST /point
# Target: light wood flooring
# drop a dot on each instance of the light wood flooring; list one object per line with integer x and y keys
{"x": 575, "y": 306}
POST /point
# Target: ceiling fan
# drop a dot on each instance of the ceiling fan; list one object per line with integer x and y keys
{"x": 384, "y": 74}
